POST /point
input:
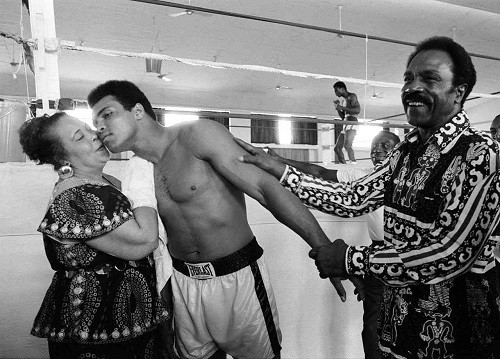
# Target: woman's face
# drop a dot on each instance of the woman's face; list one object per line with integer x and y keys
{"x": 83, "y": 149}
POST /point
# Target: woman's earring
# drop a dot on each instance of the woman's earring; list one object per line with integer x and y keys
{"x": 65, "y": 171}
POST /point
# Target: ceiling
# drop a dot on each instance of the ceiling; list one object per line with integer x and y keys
{"x": 136, "y": 27}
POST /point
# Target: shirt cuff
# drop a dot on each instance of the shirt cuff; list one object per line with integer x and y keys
{"x": 357, "y": 260}
{"x": 285, "y": 172}
{"x": 291, "y": 179}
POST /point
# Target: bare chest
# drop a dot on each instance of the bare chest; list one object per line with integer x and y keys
{"x": 179, "y": 180}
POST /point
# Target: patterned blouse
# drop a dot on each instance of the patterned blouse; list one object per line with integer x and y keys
{"x": 441, "y": 202}
{"x": 94, "y": 297}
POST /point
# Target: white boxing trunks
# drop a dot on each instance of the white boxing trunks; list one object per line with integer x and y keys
{"x": 228, "y": 304}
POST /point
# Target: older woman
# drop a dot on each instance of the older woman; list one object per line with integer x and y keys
{"x": 102, "y": 302}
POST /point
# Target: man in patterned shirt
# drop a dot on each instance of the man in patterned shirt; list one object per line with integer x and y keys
{"x": 382, "y": 144}
{"x": 441, "y": 195}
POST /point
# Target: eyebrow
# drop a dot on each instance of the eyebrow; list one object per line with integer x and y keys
{"x": 99, "y": 113}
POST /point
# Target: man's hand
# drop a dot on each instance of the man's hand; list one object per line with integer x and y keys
{"x": 359, "y": 290}
{"x": 272, "y": 152}
{"x": 330, "y": 259}
{"x": 336, "y": 103}
{"x": 260, "y": 158}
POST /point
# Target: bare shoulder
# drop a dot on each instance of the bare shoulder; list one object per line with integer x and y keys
{"x": 206, "y": 131}
{"x": 352, "y": 96}
{"x": 203, "y": 137}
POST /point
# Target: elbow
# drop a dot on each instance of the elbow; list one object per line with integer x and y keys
{"x": 142, "y": 250}
{"x": 151, "y": 245}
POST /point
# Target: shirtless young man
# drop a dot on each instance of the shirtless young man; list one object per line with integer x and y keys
{"x": 347, "y": 111}
{"x": 223, "y": 301}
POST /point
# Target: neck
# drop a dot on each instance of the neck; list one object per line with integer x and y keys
{"x": 152, "y": 142}
{"x": 88, "y": 174}
{"x": 426, "y": 133}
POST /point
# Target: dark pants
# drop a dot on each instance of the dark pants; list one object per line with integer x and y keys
{"x": 345, "y": 141}
{"x": 374, "y": 291}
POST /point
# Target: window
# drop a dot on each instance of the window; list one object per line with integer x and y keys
{"x": 284, "y": 132}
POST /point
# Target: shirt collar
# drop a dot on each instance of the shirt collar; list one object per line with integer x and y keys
{"x": 447, "y": 133}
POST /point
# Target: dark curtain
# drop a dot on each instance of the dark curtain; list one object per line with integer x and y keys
{"x": 264, "y": 131}
{"x": 305, "y": 133}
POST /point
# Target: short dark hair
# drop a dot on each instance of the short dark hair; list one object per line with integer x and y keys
{"x": 39, "y": 142}
{"x": 392, "y": 135}
{"x": 463, "y": 68}
{"x": 125, "y": 92}
{"x": 340, "y": 84}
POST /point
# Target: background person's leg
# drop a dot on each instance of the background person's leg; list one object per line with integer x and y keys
{"x": 339, "y": 144}
{"x": 349, "y": 139}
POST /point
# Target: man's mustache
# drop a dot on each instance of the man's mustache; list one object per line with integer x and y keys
{"x": 415, "y": 97}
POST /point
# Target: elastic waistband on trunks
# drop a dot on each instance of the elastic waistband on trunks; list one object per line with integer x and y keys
{"x": 222, "y": 266}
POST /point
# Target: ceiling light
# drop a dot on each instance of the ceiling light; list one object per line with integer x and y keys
{"x": 164, "y": 77}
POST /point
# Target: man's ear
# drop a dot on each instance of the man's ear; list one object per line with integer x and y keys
{"x": 138, "y": 111}
{"x": 460, "y": 92}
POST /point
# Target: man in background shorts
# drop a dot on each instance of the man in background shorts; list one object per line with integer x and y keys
{"x": 347, "y": 107}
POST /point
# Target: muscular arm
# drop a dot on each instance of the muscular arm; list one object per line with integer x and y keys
{"x": 216, "y": 145}
{"x": 351, "y": 107}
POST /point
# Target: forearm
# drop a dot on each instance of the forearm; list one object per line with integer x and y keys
{"x": 291, "y": 212}
{"x": 349, "y": 110}
{"x": 452, "y": 245}
{"x": 129, "y": 251}
{"x": 312, "y": 169}
{"x": 339, "y": 199}
{"x": 147, "y": 223}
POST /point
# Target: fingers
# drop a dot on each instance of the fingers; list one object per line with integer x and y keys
{"x": 246, "y": 159}
{"x": 313, "y": 253}
{"x": 248, "y": 147}
{"x": 337, "y": 284}
{"x": 359, "y": 287}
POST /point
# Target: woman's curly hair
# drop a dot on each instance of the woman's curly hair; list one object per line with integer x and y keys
{"x": 40, "y": 143}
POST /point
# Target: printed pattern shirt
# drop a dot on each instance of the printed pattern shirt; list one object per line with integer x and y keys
{"x": 441, "y": 202}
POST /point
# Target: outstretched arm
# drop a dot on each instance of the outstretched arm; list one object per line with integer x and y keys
{"x": 216, "y": 145}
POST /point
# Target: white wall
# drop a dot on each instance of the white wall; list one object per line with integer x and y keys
{"x": 314, "y": 322}
{"x": 483, "y": 111}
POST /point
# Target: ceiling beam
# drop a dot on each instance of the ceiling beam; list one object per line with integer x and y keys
{"x": 293, "y": 24}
